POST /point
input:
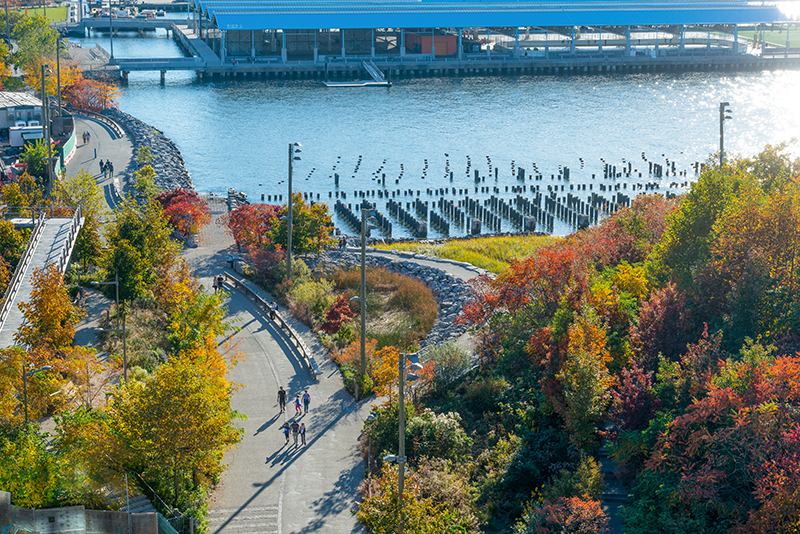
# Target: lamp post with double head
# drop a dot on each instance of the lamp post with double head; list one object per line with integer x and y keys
{"x": 294, "y": 148}
{"x": 724, "y": 109}
{"x": 25, "y": 385}
{"x": 117, "y": 330}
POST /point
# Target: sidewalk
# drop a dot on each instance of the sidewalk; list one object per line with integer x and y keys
{"x": 271, "y": 487}
{"x": 105, "y": 145}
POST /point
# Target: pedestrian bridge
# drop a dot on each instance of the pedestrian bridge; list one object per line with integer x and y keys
{"x": 50, "y": 243}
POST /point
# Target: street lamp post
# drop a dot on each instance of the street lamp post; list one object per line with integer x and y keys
{"x": 365, "y": 218}
{"x": 401, "y": 450}
{"x": 724, "y": 109}
{"x": 117, "y": 330}
{"x": 25, "y": 385}
{"x": 294, "y": 148}
{"x": 46, "y": 134}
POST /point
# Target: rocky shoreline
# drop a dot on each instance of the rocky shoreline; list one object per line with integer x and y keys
{"x": 451, "y": 294}
{"x": 167, "y": 159}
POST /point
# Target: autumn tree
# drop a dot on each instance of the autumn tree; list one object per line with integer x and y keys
{"x": 11, "y": 243}
{"x": 576, "y": 515}
{"x": 35, "y": 158}
{"x": 585, "y": 379}
{"x": 90, "y": 94}
{"x": 250, "y": 223}
{"x": 50, "y": 316}
{"x": 185, "y": 210}
{"x": 337, "y": 316}
{"x": 311, "y": 226}
{"x": 12, "y": 361}
{"x": 179, "y": 422}
{"x": 24, "y": 193}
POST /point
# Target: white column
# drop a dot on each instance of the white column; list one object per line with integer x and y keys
{"x": 683, "y": 38}
{"x": 572, "y": 42}
{"x": 627, "y": 41}
{"x": 372, "y": 50}
{"x": 252, "y": 43}
{"x": 316, "y": 49}
{"x": 223, "y": 49}
{"x": 284, "y": 54}
{"x": 460, "y": 46}
{"x": 600, "y": 39}
{"x": 736, "y": 38}
{"x": 402, "y": 42}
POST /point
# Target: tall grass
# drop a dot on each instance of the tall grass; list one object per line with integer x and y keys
{"x": 401, "y": 309}
{"x": 490, "y": 253}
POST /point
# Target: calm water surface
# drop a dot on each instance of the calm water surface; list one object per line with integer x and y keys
{"x": 236, "y": 133}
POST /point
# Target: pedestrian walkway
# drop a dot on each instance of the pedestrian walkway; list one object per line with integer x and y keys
{"x": 57, "y": 235}
{"x": 104, "y": 144}
{"x": 270, "y": 487}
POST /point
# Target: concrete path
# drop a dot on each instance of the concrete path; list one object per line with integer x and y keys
{"x": 271, "y": 487}
{"x": 105, "y": 144}
{"x": 54, "y": 237}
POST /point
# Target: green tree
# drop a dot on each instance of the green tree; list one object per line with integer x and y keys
{"x": 311, "y": 226}
{"x": 35, "y": 156}
{"x": 88, "y": 244}
{"x": 138, "y": 242}
{"x": 82, "y": 190}
{"x": 25, "y": 192}
{"x": 11, "y": 242}
{"x": 179, "y": 421}
{"x": 29, "y": 471}
{"x": 146, "y": 183}
{"x": 144, "y": 155}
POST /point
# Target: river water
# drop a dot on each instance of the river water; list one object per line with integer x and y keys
{"x": 236, "y": 133}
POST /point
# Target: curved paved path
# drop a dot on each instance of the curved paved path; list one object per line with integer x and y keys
{"x": 105, "y": 144}
{"x": 270, "y": 487}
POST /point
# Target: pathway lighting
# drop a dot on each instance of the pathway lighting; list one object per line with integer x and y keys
{"x": 724, "y": 109}
{"x": 25, "y": 385}
{"x": 117, "y": 330}
{"x": 415, "y": 365}
{"x": 294, "y": 148}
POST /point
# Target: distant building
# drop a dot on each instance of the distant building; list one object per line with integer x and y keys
{"x": 16, "y": 108}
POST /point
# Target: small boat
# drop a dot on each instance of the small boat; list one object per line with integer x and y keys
{"x": 161, "y": 13}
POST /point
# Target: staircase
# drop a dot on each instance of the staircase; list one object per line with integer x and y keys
{"x": 614, "y": 493}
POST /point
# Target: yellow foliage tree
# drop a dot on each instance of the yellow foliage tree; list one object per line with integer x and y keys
{"x": 585, "y": 378}
{"x": 50, "y": 316}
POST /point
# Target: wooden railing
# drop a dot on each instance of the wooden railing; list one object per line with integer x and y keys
{"x": 295, "y": 341}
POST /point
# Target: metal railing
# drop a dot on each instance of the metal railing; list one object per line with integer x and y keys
{"x": 66, "y": 252}
{"x": 22, "y": 265}
{"x": 297, "y": 343}
{"x": 102, "y": 118}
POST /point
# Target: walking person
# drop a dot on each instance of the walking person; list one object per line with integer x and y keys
{"x": 220, "y": 281}
{"x": 214, "y": 284}
{"x": 295, "y": 431}
{"x": 303, "y": 434}
{"x": 102, "y": 168}
{"x": 282, "y": 399}
{"x": 273, "y": 307}
{"x": 298, "y": 410}
{"x": 286, "y": 431}
{"x": 306, "y": 401}
{"x": 110, "y": 167}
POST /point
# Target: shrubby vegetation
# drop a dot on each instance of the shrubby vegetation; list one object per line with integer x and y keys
{"x": 667, "y": 334}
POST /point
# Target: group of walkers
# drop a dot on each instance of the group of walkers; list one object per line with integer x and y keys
{"x": 87, "y": 136}
{"x": 301, "y": 404}
{"x": 218, "y": 282}
{"x": 107, "y": 169}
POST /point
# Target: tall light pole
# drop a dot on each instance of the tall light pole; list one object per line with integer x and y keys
{"x": 294, "y": 148}
{"x": 46, "y": 133}
{"x": 58, "y": 73}
{"x": 724, "y": 109}
{"x": 365, "y": 217}
{"x": 117, "y": 330}
{"x": 401, "y": 450}
{"x": 25, "y": 385}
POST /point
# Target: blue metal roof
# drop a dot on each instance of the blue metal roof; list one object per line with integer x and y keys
{"x": 325, "y": 14}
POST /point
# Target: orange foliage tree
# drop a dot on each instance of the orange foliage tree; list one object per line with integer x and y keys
{"x": 184, "y": 210}
{"x": 249, "y": 224}
{"x": 90, "y": 94}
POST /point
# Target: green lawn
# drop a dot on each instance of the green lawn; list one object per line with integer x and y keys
{"x": 54, "y": 14}
{"x": 777, "y": 38}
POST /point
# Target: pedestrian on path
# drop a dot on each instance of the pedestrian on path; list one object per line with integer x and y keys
{"x": 286, "y": 430}
{"x": 214, "y": 284}
{"x": 110, "y": 167}
{"x": 102, "y": 167}
{"x": 306, "y": 401}
{"x": 295, "y": 431}
{"x": 220, "y": 282}
{"x": 282, "y": 399}
{"x": 273, "y": 307}
{"x": 303, "y": 434}
{"x": 298, "y": 410}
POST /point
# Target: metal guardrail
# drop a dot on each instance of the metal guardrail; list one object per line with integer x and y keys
{"x": 102, "y": 118}
{"x": 66, "y": 252}
{"x": 297, "y": 343}
{"x": 22, "y": 266}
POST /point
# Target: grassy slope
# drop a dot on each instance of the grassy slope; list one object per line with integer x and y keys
{"x": 54, "y": 14}
{"x": 490, "y": 253}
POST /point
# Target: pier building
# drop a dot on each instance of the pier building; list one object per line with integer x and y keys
{"x": 349, "y": 39}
